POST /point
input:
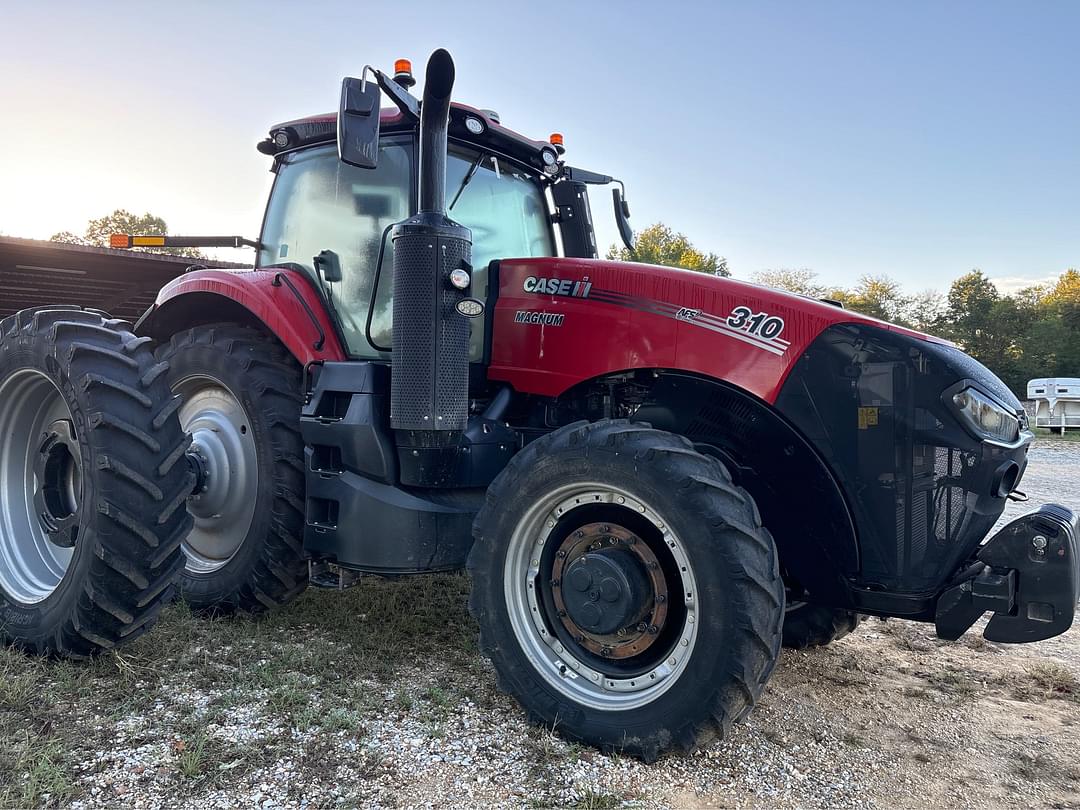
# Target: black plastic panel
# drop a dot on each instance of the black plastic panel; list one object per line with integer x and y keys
{"x": 575, "y": 219}
{"x": 921, "y": 488}
{"x": 345, "y": 424}
{"x": 371, "y": 526}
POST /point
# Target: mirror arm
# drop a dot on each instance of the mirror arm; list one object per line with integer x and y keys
{"x": 402, "y": 98}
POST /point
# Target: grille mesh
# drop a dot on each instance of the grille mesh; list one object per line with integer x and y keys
{"x": 430, "y": 338}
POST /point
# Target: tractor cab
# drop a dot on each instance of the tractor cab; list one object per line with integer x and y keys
{"x": 323, "y": 207}
{"x": 331, "y": 215}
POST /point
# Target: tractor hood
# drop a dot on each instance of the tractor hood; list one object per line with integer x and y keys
{"x": 558, "y": 321}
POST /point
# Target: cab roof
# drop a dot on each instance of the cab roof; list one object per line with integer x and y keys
{"x": 319, "y": 129}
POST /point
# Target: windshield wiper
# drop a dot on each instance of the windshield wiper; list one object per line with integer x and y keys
{"x": 467, "y": 179}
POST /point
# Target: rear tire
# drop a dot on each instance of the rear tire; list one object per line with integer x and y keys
{"x": 242, "y": 400}
{"x": 807, "y": 625}
{"x": 677, "y": 670}
{"x": 89, "y": 440}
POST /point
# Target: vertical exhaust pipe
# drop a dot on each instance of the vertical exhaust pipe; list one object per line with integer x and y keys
{"x": 429, "y": 386}
{"x": 434, "y": 121}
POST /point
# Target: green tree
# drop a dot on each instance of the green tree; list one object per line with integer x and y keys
{"x": 121, "y": 221}
{"x": 877, "y": 296}
{"x": 659, "y": 244}
{"x": 801, "y": 281}
{"x": 926, "y": 311}
{"x": 971, "y": 302}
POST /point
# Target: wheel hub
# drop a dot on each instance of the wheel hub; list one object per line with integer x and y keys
{"x": 224, "y": 459}
{"x": 58, "y": 484}
{"x": 609, "y": 590}
{"x": 40, "y": 486}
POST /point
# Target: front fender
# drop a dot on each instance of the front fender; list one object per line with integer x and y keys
{"x": 281, "y": 300}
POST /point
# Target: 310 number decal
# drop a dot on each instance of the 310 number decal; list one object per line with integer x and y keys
{"x": 756, "y": 323}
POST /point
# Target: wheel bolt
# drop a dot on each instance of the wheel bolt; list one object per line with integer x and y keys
{"x": 642, "y": 627}
{"x": 579, "y": 638}
{"x": 605, "y": 529}
{"x": 631, "y": 540}
{"x": 554, "y": 583}
{"x": 654, "y": 565}
{"x": 661, "y": 598}
{"x": 561, "y": 614}
{"x": 561, "y": 555}
{"x": 653, "y": 629}
{"x": 579, "y": 534}
{"x": 605, "y": 651}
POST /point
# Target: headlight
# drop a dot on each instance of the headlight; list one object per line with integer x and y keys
{"x": 987, "y": 417}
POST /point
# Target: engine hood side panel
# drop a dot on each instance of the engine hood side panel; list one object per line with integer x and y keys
{"x": 558, "y": 322}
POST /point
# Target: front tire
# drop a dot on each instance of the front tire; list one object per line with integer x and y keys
{"x": 93, "y": 481}
{"x": 625, "y": 589}
{"x": 241, "y": 393}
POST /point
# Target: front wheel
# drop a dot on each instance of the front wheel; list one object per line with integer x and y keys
{"x": 625, "y": 589}
{"x": 240, "y": 393}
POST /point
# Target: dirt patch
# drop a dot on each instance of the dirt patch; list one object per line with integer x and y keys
{"x": 378, "y": 697}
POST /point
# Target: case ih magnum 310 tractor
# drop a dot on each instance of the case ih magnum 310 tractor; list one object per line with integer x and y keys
{"x": 655, "y": 477}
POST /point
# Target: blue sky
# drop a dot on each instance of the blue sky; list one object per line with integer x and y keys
{"x": 914, "y": 139}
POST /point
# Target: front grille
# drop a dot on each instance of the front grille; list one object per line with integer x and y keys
{"x": 919, "y": 486}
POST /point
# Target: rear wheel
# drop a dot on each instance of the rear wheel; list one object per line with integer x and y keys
{"x": 241, "y": 405}
{"x": 625, "y": 589}
{"x": 93, "y": 481}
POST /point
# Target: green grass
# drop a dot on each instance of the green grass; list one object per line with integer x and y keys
{"x": 1047, "y": 679}
{"x": 191, "y": 759}
{"x": 954, "y": 682}
{"x": 324, "y": 663}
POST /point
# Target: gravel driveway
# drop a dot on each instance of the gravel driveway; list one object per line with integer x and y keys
{"x": 377, "y": 697}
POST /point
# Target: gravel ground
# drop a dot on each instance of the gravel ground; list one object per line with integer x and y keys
{"x": 378, "y": 698}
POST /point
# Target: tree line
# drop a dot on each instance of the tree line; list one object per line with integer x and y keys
{"x": 1021, "y": 336}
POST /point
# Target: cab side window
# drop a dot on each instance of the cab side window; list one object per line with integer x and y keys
{"x": 319, "y": 203}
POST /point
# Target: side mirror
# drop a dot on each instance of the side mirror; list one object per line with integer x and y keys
{"x": 358, "y": 123}
{"x": 622, "y": 219}
{"x": 328, "y": 266}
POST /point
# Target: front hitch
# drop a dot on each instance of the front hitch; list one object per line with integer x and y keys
{"x": 1027, "y": 574}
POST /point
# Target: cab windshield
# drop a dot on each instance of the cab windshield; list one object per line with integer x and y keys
{"x": 319, "y": 203}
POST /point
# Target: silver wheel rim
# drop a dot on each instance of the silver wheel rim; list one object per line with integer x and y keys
{"x": 224, "y": 507}
{"x": 563, "y": 668}
{"x": 31, "y": 565}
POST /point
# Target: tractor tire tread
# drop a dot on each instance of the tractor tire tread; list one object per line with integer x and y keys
{"x": 810, "y": 625}
{"x": 703, "y": 486}
{"x": 103, "y": 600}
{"x": 279, "y": 572}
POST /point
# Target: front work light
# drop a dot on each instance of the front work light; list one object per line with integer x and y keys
{"x": 459, "y": 279}
{"x": 470, "y": 307}
{"x": 986, "y": 417}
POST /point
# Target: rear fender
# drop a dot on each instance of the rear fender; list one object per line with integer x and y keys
{"x": 280, "y": 300}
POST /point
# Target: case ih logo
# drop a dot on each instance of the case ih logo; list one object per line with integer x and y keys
{"x": 558, "y": 286}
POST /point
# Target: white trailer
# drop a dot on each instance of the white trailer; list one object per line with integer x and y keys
{"x": 1057, "y": 402}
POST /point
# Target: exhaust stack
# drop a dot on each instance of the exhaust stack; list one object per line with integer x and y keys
{"x": 430, "y": 376}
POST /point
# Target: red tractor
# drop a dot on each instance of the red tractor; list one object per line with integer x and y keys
{"x": 655, "y": 477}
